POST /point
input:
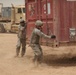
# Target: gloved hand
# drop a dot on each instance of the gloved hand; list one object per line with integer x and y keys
{"x": 53, "y": 36}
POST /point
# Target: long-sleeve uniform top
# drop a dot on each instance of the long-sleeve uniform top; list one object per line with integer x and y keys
{"x": 21, "y": 32}
{"x": 36, "y": 34}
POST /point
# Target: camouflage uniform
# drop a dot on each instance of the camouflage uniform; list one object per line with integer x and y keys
{"x": 34, "y": 43}
{"x": 21, "y": 40}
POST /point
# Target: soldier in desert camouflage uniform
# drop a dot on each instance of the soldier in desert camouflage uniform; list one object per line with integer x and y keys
{"x": 21, "y": 38}
{"x": 34, "y": 41}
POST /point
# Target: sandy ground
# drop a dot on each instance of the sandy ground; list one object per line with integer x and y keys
{"x": 56, "y": 61}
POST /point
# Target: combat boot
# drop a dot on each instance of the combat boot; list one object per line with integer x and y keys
{"x": 23, "y": 52}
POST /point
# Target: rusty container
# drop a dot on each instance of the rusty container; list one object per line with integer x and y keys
{"x": 58, "y": 16}
{"x": 64, "y": 19}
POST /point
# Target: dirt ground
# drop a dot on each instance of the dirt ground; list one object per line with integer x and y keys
{"x": 56, "y": 61}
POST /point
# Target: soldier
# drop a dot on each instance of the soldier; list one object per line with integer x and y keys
{"x": 34, "y": 41}
{"x": 21, "y": 38}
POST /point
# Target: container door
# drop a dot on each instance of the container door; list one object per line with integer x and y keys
{"x": 39, "y": 10}
{"x": 31, "y": 15}
{"x": 67, "y": 15}
{"x": 32, "y": 10}
{"x": 47, "y": 17}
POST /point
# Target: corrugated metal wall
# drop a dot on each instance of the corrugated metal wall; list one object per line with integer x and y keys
{"x": 58, "y": 17}
{"x": 31, "y": 15}
{"x": 64, "y": 18}
{"x": 39, "y": 9}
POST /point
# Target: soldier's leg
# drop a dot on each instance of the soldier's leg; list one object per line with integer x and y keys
{"x": 23, "y": 47}
{"x": 18, "y": 47}
{"x": 40, "y": 56}
{"x": 38, "y": 53}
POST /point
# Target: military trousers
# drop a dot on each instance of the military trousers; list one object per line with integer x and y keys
{"x": 21, "y": 43}
{"x": 37, "y": 52}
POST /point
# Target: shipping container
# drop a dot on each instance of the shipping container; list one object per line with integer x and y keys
{"x": 58, "y": 16}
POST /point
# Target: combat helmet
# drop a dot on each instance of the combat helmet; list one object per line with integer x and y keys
{"x": 39, "y": 23}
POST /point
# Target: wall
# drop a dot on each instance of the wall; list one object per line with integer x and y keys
{"x": 58, "y": 17}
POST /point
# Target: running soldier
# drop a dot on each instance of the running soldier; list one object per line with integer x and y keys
{"x": 34, "y": 41}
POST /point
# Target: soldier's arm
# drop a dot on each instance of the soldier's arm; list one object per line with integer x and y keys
{"x": 41, "y": 34}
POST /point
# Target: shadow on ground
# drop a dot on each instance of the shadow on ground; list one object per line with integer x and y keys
{"x": 59, "y": 61}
